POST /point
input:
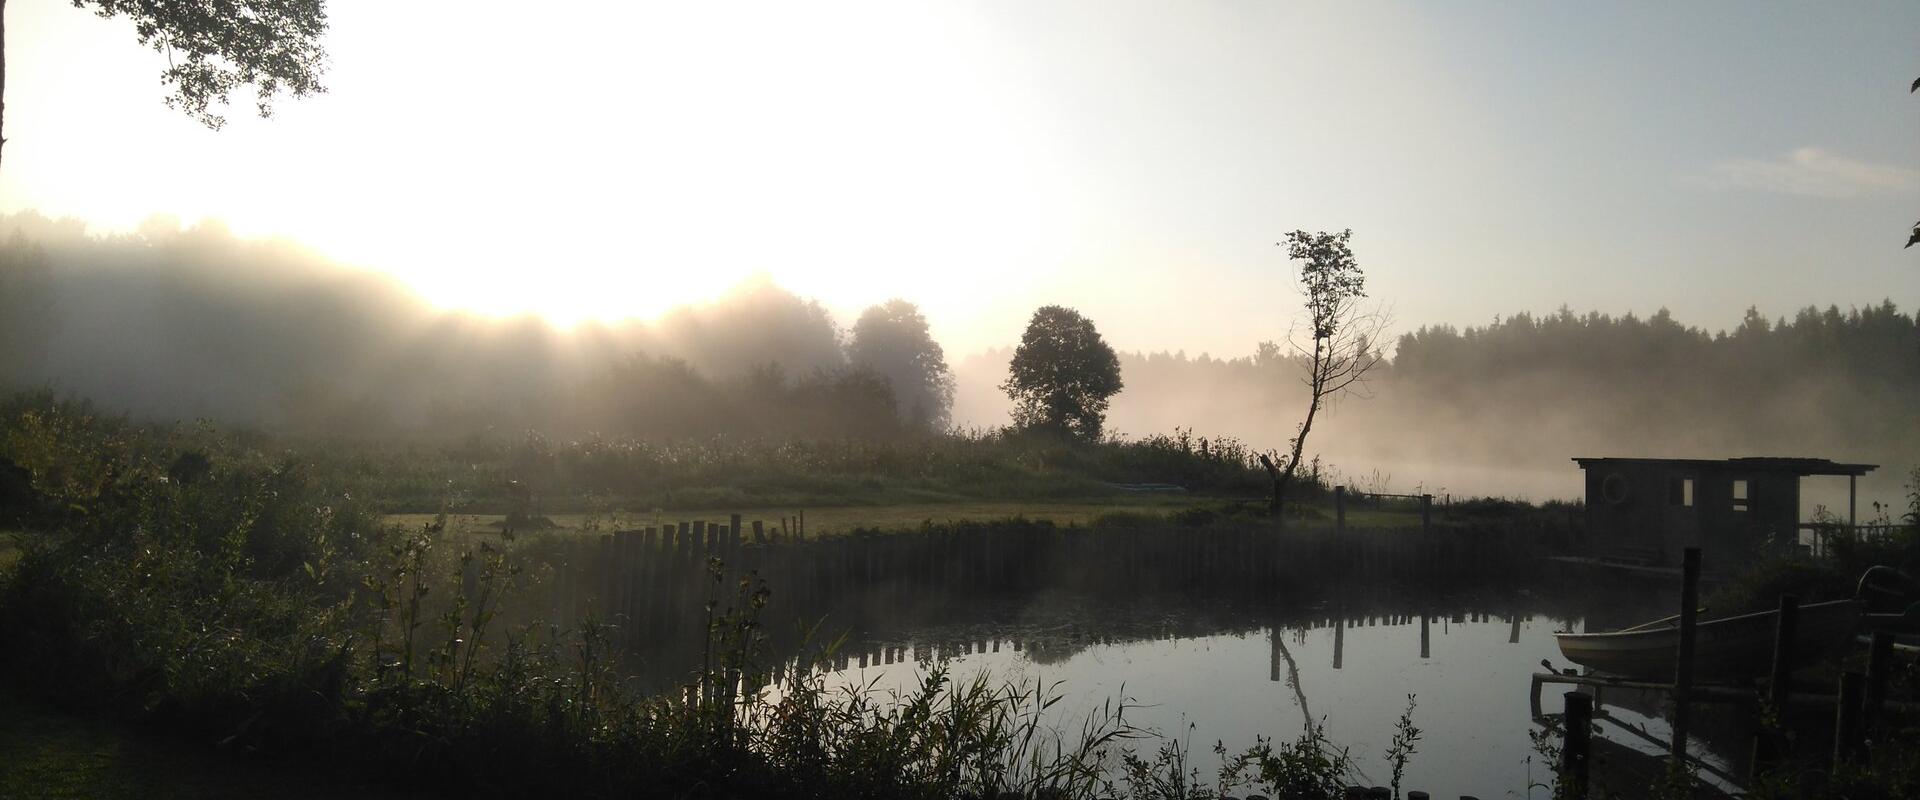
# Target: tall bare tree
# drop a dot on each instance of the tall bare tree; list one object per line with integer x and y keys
{"x": 1342, "y": 345}
{"x": 213, "y": 48}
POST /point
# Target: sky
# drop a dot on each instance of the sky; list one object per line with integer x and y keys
{"x": 1136, "y": 160}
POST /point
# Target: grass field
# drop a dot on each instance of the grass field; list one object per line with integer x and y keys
{"x": 835, "y": 520}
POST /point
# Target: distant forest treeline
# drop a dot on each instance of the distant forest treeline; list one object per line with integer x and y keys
{"x": 1477, "y": 408}
{"x": 180, "y": 324}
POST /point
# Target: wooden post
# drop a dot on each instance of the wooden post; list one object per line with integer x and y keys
{"x": 1339, "y": 509}
{"x": 1576, "y": 735}
{"x": 759, "y": 532}
{"x": 1846, "y": 718}
{"x": 1878, "y": 656}
{"x": 1852, "y": 485}
{"x": 1426, "y": 637}
{"x": 802, "y": 523}
{"x": 1683, "y": 663}
{"x": 1339, "y": 638}
{"x": 733, "y": 534}
{"x": 1766, "y": 746}
{"x": 1426, "y": 513}
{"x": 469, "y": 577}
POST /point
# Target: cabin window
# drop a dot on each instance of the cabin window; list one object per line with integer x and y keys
{"x": 1680, "y": 491}
{"x": 1740, "y": 502}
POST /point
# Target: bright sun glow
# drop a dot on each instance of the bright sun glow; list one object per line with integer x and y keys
{"x": 785, "y": 151}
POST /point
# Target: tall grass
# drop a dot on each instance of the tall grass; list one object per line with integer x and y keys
{"x": 219, "y": 591}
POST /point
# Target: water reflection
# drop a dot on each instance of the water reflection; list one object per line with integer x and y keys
{"x": 1231, "y": 669}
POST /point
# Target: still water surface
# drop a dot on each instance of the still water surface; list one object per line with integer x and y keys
{"x": 1231, "y": 671}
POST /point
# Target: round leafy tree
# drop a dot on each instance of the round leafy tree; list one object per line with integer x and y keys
{"x": 1062, "y": 375}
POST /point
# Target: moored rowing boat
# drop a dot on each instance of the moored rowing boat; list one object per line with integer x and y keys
{"x": 1733, "y": 647}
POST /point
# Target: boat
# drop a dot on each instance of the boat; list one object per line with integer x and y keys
{"x": 1728, "y": 648}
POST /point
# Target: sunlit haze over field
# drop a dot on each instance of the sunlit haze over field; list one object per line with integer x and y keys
{"x": 1137, "y": 161}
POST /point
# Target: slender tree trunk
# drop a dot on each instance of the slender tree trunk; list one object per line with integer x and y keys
{"x": 1282, "y": 478}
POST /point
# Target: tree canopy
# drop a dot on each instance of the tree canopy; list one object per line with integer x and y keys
{"x": 892, "y": 340}
{"x": 214, "y": 48}
{"x": 1062, "y": 375}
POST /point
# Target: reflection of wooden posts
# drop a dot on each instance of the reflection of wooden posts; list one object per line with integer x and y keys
{"x": 759, "y": 532}
{"x": 1513, "y": 633}
{"x": 1426, "y": 636}
{"x": 1426, "y": 513}
{"x": 1339, "y": 509}
{"x": 1576, "y": 735}
{"x": 1766, "y": 746}
{"x": 1846, "y": 718}
{"x": 1339, "y": 638}
{"x": 1683, "y": 662}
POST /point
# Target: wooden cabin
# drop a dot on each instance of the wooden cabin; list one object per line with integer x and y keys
{"x": 1649, "y": 509}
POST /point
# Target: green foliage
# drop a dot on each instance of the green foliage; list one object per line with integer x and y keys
{"x": 1330, "y": 277}
{"x": 892, "y": 339}
{"x": 1062, "y": 375}
{"x": 191, "y": 584}
{"x": 214, "y": 48}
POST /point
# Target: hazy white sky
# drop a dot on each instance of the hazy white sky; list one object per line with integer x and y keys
{"x": 1136, "y": 160}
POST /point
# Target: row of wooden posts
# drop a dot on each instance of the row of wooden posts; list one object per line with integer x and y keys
{"x": 651, "y": 577}
{"x": 1859, "y": 700}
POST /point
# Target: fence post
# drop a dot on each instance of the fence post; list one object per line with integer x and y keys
{"x": 1846, "y": 718}
{"x": 1766, "y": 746}
{"x": 1575, "y": 737}
{"x": 1878, "y": 656}
{"x": 1426, "y": 513}
{"x": 1683, "y": 664}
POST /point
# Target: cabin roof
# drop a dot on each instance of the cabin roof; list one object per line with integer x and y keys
{"x": 1798, "y": 466}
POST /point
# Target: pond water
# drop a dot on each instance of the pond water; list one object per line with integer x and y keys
{"x": 1230, "y": 670}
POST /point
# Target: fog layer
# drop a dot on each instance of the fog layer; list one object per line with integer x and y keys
{"x": 177, "y": 324}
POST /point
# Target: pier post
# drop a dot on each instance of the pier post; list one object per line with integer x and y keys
{"x": 1683, "y": 663}
{"x": 1576, "y": 735}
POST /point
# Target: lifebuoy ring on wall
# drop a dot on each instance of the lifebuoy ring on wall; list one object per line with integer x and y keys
{"x": 1614, "y": 488}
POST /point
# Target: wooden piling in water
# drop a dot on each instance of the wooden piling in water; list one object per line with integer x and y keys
{"x": 1576, "y": 736}
{"x": 1683, "y": 664}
